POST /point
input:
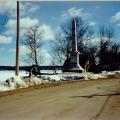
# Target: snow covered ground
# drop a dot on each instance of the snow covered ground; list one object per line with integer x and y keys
{"x": 8, "y": 74}
{"x": 65, "y": 76}
{"x": 8, "y": 80}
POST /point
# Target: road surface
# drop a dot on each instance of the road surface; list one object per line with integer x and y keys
{"x": 85, "y": 100}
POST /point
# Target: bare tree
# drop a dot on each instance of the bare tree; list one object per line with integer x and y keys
{"x": 32, "y": 41}
{"x": 62, "y": 44}
{"x": 60, "y": 48}
{"x": 106, "y": 36}
{"x": 114, "y": 53}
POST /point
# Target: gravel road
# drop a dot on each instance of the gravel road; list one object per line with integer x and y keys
{"x": 85, "y": 100}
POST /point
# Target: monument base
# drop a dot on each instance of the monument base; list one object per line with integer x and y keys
{"x": 72, "y": 63}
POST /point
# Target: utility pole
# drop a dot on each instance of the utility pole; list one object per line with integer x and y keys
{"x": 17, "y": 42}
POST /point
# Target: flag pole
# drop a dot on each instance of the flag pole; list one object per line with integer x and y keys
{"x": 17, "y": 42}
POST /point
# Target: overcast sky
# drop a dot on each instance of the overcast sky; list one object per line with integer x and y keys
{"x": 49, "y": 16}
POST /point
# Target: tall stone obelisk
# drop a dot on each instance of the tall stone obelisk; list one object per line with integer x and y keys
{"x": 74, "y": 38}
{"x": 72, "y": 63}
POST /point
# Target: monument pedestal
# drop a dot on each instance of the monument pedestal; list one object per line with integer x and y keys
{"x": 72, "y": 63}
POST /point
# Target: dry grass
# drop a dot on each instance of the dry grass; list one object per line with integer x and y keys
{"x": 54, "y": 84}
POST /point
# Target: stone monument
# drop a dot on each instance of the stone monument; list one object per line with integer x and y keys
{"x": 72, "y": 63}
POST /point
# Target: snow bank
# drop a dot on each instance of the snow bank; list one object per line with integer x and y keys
{"x": 8, "y": 74}
{"x": 12, "y": 83}
{"x": 35, "y": 80}
{"x": 95, "y": 76}
{"x": 18, "y": 82}
{"x": 117, "y": 71}
{"x": 8, "y": 81}
{"x": 66, "y": 76}
{"x": 3, "y": 88}
{"x": 51, "y": 77}
{"x": 75, "y": 76}
{"x": 106, "y": 73}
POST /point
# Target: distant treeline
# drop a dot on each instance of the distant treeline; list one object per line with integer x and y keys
{"x": 27, "y": 68}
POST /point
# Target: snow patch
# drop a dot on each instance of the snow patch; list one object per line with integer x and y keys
{"x": 12, "y": 83}
{"x": 65, "y": 76}
{"x": 8, "y": 81}
{"x": 35, "y": 80}
{"x": 3, "y": 88}
{"x": 4, "y": 75}
{"x": 95, "y": 76}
